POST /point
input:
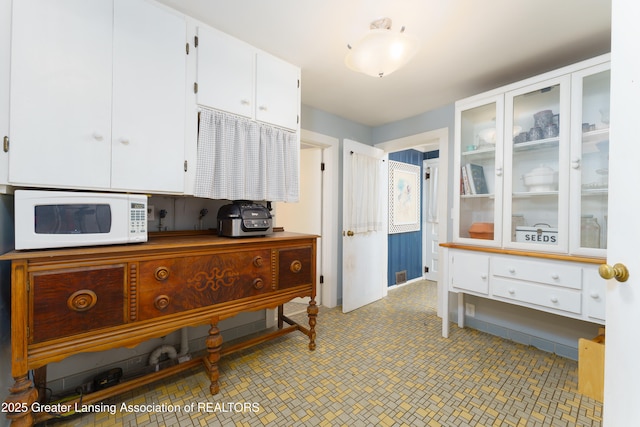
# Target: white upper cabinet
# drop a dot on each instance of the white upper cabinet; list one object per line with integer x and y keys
{"x": 149, "y": 74}
{"x": 225, "y": 73}
{"x": 277, "y": 91}
{"x": 97, "y": 95}
{"x": 61, "y": 93}
{"x": 532, "y": 163}
{"x": 234, "y": 76}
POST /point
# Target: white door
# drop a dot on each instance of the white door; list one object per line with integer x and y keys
{"x": 149, "y": 72}
{"x": 622, "y": 369}
{"x": 225, "y": 72}
{"x": 61, "y": 93}
{"x": 430, "y": 222}
{"x": 364, "y": 253}
{"x": 277, "y": 91}
{"x": 306, "y": 215}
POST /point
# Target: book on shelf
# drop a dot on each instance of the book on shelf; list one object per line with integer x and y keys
{"x": 477, "y": 181}
{"x": 465, "y": 186}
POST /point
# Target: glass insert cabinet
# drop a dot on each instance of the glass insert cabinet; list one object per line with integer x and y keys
{"x": 531, "y": 163}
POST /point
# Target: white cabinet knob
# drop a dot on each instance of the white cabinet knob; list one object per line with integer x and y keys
{"x": 575, "y": 163}
{"x": 498, "y": 171}
{"x": 97, "y": 136}
{"x": 483, "y": 276}
{"x": 512, "y": 270}
{"x": 263, "y": 108}
{"x": 245, "y": 102}
{"x": 511, "y": 291}
{"x": 554, "y": 299}
{"x": 555, "y": 276}
{"x": 124, "y": 141}
{"x": 594, "y": 295}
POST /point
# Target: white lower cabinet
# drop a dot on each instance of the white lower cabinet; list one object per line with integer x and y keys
{"x": 570, "y": 288}
{"x": 470, "y": 272}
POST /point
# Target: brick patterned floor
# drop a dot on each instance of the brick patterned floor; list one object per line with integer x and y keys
{"x": 385, "y": 364}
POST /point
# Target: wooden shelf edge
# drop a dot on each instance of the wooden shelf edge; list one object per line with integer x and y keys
{"x": 543, "y": 255}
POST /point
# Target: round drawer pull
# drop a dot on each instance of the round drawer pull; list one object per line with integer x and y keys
{"x": 511, "y": 291}
{"x": 258, "y": 283}
{"x": 258, "y": 261}
{"x": 161, "y": 273}
{"x": 554, "y": 299}
{"x": 295, "y": 266}
{"x": 512, "y": 270}
{"x": 82, "y": 300}
{"x": 161, "y": 302}
{"x": 594, "y": 295}
{"x": 555, "y": 276}
{"x": 483, "y": 276}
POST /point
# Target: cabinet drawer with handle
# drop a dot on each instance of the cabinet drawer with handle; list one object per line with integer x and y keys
{"x": 553, "y": 297}
{"x": 551, "y": 273}
{"x": 175, "y": 285}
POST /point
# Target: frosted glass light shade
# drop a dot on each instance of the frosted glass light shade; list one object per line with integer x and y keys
{"x": 381, "y": 52}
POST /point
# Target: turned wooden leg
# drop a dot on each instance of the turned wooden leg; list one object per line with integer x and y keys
{"x": 214, "y": 344}
{"x": 19, "y": 402}
{"x": 280, "y": 315}
{"x": 312, "y": 312}
{"x": 40, "y": 383}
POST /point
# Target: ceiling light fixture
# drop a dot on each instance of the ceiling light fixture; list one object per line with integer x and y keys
{"x": 381, "y": 51}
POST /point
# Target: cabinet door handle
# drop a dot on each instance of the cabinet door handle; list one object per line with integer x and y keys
{"x": 512, "y": 270}
{"x": 594, "y": 295}
{"x": 263, "y": 108}
{"x": 555, "y": 276}
{"x": 511, "y": 291}
{"x": 483, "y": 276}
{"x": 575, "y": 163}
{"x": 554, "y": 299}
{"x": 97, "y": 136}
{"x": 245, "y": 102}
{"x": 498, "y": 171}
{"x": 124, "y": 141}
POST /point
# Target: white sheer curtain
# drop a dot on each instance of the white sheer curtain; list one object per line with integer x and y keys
{"x": 240, "y": 159}
{"x": 363, "y": 210}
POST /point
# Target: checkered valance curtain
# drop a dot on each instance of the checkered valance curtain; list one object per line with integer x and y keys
{"x": 240, "y": 159}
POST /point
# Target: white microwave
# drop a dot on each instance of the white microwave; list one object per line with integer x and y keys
{"x": 56, "y": 219}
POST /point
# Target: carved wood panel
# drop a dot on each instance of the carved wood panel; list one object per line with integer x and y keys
{"x": 174, "y": 285}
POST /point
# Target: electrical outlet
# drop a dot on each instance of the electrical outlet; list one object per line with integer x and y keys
{"x": 151, "y": 213}
{"x": 470, "y": 310}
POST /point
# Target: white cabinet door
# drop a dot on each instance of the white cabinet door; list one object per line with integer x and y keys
{"x": 61, "y": 93}
{"x": 149, "y": 71}
{"x": 277, "y": 88}
{"x": 225, "y": 73}
{"x": 469, "y": 272}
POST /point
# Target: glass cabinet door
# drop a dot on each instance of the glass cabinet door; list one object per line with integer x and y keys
{"x": 537, "y": 128}
{"x": 478, "y": 164}
{"x": 590, "y": 161}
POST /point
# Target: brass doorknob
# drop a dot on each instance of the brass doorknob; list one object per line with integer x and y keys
{"x": 350, "y": 233}
{"x": 618, "y": 271}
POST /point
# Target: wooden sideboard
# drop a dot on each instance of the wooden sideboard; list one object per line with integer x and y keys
{"x": 69, "y": 301}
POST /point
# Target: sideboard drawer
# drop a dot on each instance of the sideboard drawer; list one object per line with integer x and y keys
{"x": 295, "y": 267}
{"x": 552, "y": 273}
{"x": 175, "y": 285}
{"x": 540, "y": 295}
{"x": 70, "y": 302}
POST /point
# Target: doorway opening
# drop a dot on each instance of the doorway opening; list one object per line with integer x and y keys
{"x": 434, "y": 192}
{"x": 316, "y": 213}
